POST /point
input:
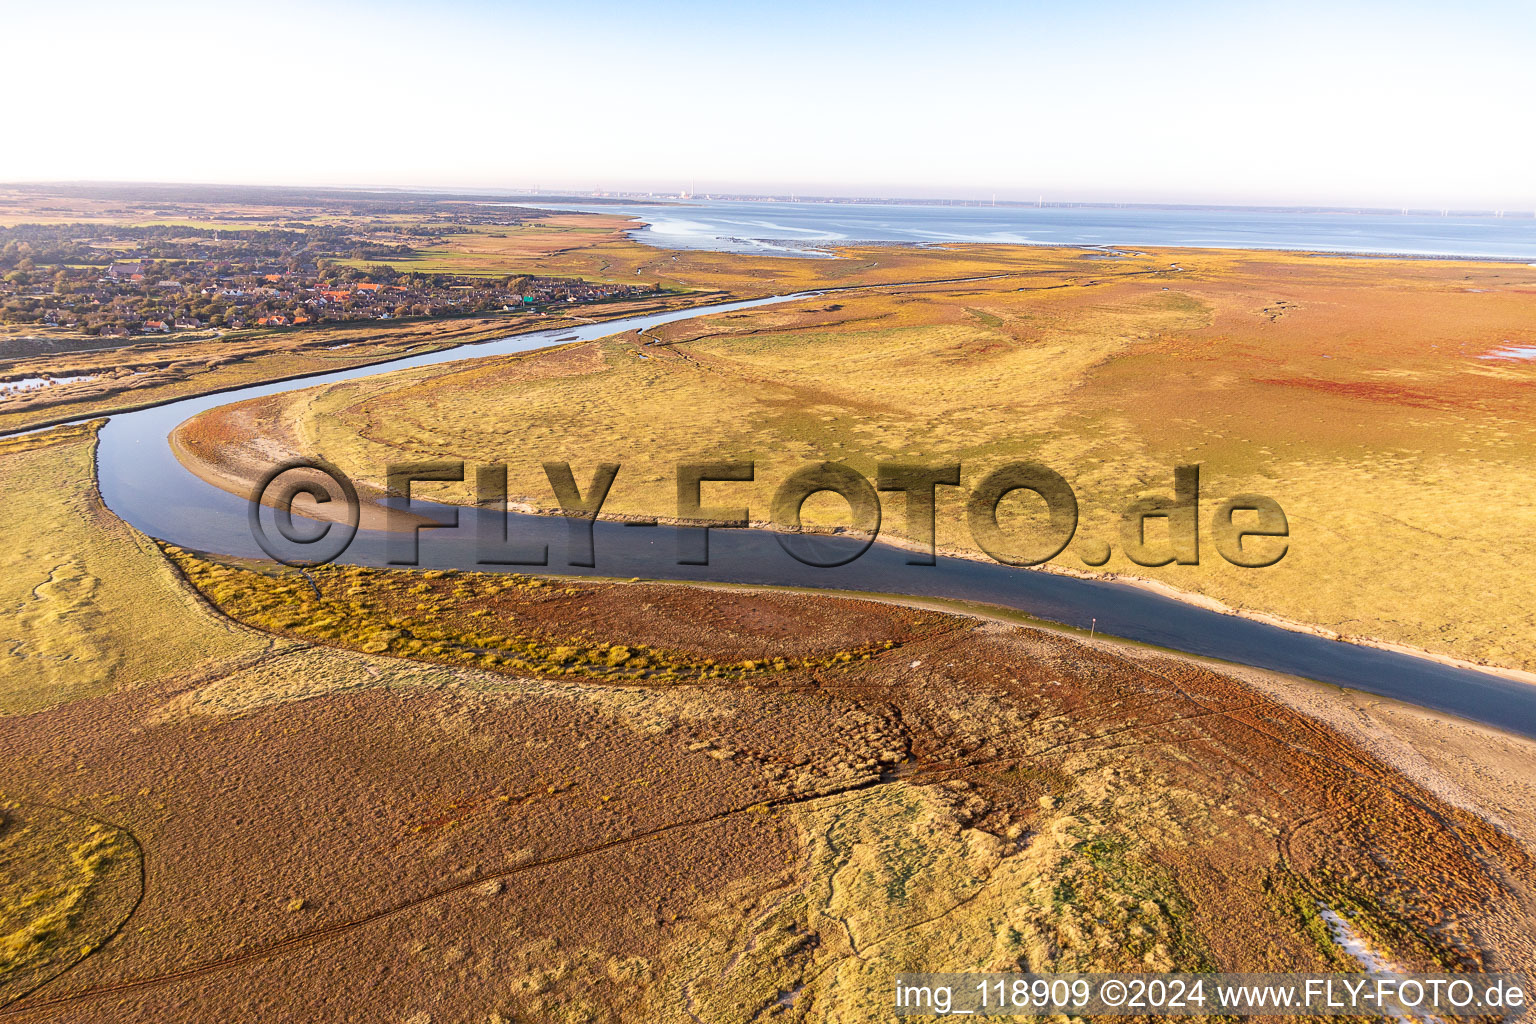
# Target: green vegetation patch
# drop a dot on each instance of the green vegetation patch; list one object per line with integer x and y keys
{"x": 68, "y": 882}
{"x": 456, "y": 618}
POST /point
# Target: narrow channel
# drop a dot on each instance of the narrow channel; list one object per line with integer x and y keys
{"x": 143, "y": 483}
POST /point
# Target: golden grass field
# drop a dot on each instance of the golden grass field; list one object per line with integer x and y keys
{"x": 1351, "y": 391}
{"x": 93, "y": 605}
{"x": 661, "y": 803}
{"x": 440, "y": 796}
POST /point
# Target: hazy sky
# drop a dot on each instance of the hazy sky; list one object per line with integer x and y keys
{"x": 1381, "y": 103}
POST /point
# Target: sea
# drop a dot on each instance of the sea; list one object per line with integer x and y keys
{"x": 807, "y": 228}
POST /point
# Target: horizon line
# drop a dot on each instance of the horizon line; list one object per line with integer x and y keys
{"x": 639, "y": 195}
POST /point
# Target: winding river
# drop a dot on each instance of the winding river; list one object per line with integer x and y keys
{"x": 142, "y": 482}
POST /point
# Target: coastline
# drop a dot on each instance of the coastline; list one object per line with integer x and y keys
{"x": 828, "y": 248}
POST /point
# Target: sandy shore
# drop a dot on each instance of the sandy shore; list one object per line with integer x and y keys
{"x": 234, "y": 446}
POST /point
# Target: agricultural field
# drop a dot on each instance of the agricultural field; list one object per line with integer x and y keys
{"x": 403, "y": 795}
{"x": 1373, "y": 400}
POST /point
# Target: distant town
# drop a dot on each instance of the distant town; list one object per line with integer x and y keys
{"x": 117, "y": 281}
